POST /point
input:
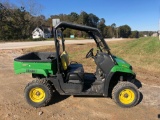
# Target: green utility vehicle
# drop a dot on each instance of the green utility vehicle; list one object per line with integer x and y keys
{"x": 53, "y": 72}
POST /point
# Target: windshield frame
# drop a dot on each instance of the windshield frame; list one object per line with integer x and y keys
{"x": 101, "y": 43}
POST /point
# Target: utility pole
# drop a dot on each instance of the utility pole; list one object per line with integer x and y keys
{"x": 159, "y": 25}
{"x": 117, "y": 32}
{"x": 82, "y": 17}
{"x": 159, "y": 29}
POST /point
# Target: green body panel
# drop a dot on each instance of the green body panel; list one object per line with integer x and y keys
{"x": 122, "y": 66}
{"x": 43, "y": 68}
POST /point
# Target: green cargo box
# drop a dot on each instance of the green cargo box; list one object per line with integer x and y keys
{"x": 43, "y": 63}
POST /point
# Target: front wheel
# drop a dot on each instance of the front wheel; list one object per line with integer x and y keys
{"x": 38, "y": 93}
{"x": 125, "y": 94}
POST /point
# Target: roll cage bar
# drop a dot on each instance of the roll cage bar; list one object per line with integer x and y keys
{"x": 93, "y": 32}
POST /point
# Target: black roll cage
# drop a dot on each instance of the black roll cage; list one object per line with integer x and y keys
{"x": 90, "y": 30}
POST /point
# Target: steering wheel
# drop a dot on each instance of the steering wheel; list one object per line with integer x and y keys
{"x": 90, "y": 53}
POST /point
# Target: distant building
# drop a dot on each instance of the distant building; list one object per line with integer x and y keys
{"x": 155, "y": 35}
{"x": 145, "y": 35}
{"x": 44, "y": 32}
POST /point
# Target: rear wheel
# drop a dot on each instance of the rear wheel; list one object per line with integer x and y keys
{"x": 125, "y": 94}
{"x": 38, "y": 93}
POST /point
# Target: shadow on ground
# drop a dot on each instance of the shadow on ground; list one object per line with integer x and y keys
{"x": 139, "y": 85}
{"x": 58, "y": 98}
{"x": 80, "y": 44}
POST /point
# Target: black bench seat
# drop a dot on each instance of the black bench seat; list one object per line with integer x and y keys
{"x": 75, "y": 73}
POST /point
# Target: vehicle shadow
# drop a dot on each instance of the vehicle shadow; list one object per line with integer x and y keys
{"x": 80, "y": 44}
{"x": 57, "y": 98}
{"x": 88, "y": 96}
{"x": 140, "y": 99}
{"x": 139, "y": 85}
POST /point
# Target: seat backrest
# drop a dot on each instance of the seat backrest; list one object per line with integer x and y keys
{"x": 64, "y": 60}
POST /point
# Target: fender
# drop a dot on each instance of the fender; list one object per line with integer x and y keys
{"x": 108, "y": 77}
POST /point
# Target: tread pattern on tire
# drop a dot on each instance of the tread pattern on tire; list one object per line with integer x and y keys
{"x": 47, "y": 85}
{"x": 119, "y": 86}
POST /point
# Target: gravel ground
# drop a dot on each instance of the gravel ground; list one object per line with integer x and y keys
{"x": 14, "y": 107}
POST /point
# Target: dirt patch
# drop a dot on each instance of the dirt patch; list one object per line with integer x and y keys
{"x": 147, "y": 76}
{"x": 13, "y": 105}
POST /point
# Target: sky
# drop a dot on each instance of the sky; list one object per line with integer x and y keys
{"x": 141, "y": 15}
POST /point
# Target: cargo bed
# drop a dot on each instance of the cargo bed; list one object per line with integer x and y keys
{"x": 37, "y": 63}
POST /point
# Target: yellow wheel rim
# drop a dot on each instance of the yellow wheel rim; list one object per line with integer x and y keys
{"x": 126, "y": 96}
{"x": 37, "y": 94}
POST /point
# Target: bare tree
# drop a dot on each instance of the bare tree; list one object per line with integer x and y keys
{"x": 32, "y": 6}
{"x": 7, "y": 4}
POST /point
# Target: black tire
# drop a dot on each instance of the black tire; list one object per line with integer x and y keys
{"x": 125, "y": 94}
{"x": 38, "y": 93}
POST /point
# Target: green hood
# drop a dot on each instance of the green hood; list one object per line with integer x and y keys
{"x": 122, "y": 63}
{"x": 122, "y": 66}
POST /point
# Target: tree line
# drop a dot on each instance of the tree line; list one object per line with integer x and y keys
{"x": 92, "y": 20}
{"x": 18, "y": 23}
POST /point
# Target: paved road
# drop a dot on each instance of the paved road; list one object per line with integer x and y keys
{"x": 14, "y": 45}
